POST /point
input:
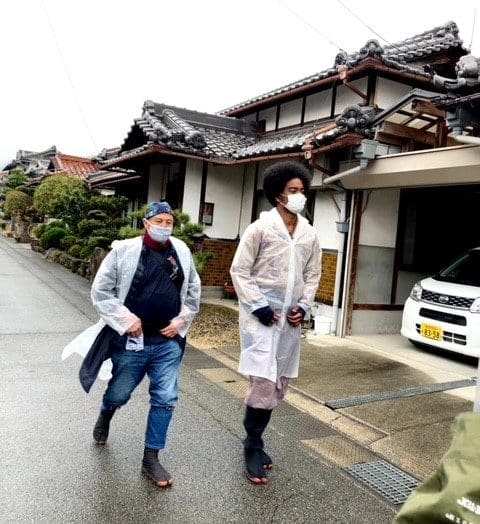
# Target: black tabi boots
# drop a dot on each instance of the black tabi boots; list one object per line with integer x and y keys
{"x": 102, "y": 426}
{"x": 256, "y": 460}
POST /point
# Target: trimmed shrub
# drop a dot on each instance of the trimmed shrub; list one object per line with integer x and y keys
{"x": 75, "y": 251}
{"x": 129, "y": 232}
{"x": 68, "y": 241}
{"x": 99, "y": 241}
{"x": 16, "y": 202}
{"x": 52, "y": 237}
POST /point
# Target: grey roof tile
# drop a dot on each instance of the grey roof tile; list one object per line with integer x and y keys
{"x": 396, "y": 55}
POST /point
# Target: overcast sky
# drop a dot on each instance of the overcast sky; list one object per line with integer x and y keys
{"x": 76, "y": 74}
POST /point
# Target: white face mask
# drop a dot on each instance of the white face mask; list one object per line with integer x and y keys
{"x": 159, "y": 234}
{"x": 296, "y": 202}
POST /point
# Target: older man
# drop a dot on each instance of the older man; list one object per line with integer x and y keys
{"x": 275, "y": 271}
{"x": 148, "y": 291}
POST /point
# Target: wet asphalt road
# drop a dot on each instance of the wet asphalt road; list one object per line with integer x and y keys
{"x": 52, "y": 472}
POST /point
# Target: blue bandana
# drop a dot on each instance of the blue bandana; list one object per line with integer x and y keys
{"x": 156, "y": 208}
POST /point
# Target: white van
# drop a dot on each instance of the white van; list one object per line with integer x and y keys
{"x": 444, "y": 310}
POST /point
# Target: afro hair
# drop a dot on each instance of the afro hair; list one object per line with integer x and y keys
{"x": 277, "y": 175}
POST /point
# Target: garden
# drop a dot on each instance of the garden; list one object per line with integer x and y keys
{"x": 74, "y": 225}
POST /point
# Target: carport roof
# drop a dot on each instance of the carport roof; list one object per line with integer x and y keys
{"x": 457, "y": 165}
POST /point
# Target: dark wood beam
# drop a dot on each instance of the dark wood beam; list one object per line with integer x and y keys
{"x": 427, "y": 107}
{"x": 411, "y": 133}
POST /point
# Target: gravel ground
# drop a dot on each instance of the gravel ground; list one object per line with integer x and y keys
{"x": 214, "y": 327}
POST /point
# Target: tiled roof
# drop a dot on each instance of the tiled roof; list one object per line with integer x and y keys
{"x": 32, "y": 162}
{"x": 401, "y": 55}
{"x": 74, "y": 165}
{"x": 192, "y": 132}
{"x": 280, "y": 142}
{"x": 103, "y": 177}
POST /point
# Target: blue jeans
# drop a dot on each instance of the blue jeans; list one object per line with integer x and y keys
{"x": 161, "y": 362}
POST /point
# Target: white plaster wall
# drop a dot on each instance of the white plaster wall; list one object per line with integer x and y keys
{"x": 346, "y": 97}
{"x": 317, "y": 178}
{"x": 325, "y": 216}
{"x": 156, "y": 185}
{"x": 261, "y": 169}
{"x": 318, "y": 105}
{"x": 290, "y": 113}
{"x": 224, "y": 189}
{"x": 380, "y": 218}
{"x": 388, "y": 92}
{"x": 270, "y": 116}
{"x": 247, "y": 199}
{"x": 192, "y": 189}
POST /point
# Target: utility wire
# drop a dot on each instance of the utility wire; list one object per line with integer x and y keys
{"x": 306, "y": 22}
{"x": 473, "y": 29}
{"x": 363, "y": 22}
{"x": 67, "y": 72}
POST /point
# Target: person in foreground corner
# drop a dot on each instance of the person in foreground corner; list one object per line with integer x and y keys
{"x": 275, "y": 271}
{"x": 147, "y": 291}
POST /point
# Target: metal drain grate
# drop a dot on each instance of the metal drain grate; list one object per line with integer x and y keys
{"x": 392, "y": 483}
{"x": 401, "y": 393}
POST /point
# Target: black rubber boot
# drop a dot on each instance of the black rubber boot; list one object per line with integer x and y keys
{"x": 154, "y": 470}
{"x": 102, "y": 426}
{"x": 256, "y": 460}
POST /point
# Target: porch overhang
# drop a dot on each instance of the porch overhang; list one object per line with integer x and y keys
{"x": 457, "y": 165}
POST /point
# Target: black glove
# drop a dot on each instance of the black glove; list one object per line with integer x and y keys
{"x": 264, "y": 314}
{"x": 301, "y": 311}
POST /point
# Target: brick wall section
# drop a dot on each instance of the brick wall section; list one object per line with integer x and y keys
{"x": 327, "y": 283}
{"x": 217, "y": 270}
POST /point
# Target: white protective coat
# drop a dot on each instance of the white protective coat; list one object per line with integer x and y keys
{"x": 110, "y": 288}
{"x": 270, "y": 268}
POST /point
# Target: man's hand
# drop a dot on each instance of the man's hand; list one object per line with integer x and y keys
{"x": 266, "y": 315}
{"x": 295, "y": 317}
{"x": 170, "y": 331}
{"x": 136, "y": 329}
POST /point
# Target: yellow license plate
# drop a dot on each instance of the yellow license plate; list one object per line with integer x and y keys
{"x": 433, "y": 332}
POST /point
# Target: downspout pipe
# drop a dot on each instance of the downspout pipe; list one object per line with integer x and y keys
{"x": 339, "y": 266}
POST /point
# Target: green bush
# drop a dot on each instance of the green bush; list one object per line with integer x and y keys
{"x": 87, "y": 226}
{"x": 16, "y": 202}
{"x": 75, "y": 251}
{"x": 52, "y": 237}
{"x": 56, "y": 223}
{"x": 99, "y": 241}
{"x": 129, "y": 232}
{"x": 86, "y": 252}
{"x": 68, "y": 241}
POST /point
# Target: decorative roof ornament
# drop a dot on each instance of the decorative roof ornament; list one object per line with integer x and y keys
{"x": 356, "y": 119}
{"x": 371, "y": 48}
{"x": 468, "y": 75}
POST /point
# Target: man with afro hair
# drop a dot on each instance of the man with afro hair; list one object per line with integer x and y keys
{"x": 275, "y": 272}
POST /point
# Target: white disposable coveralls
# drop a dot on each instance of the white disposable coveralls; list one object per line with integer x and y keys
{"x": 270, "y": 268}
{"x": 110, "y": 288}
